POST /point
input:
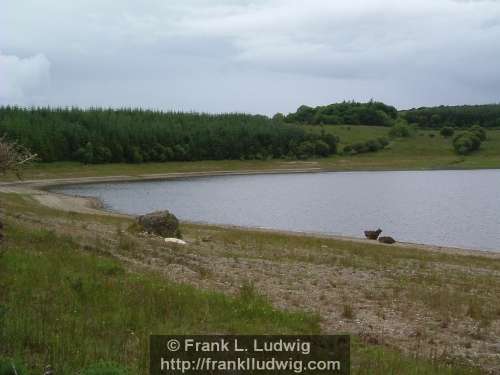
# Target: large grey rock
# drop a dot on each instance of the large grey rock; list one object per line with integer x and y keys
{"x": 162, "y": 223}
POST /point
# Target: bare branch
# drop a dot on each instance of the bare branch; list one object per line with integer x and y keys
{"x": 14, "y": 157}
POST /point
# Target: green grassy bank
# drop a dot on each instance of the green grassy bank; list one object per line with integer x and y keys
{"x": 70, "y": 307}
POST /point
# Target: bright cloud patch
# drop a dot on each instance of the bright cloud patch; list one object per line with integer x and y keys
{"x": 22, "y": 78}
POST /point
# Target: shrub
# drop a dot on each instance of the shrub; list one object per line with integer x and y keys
{"x": 102, "y": 155}
{"x": 373, "y": 145}
{"x": 321, "y": 148}
{"x": 466, "y": 142}
{"x": 383, "y": 141}
{"x": 479, "y": 132}
{"x": 305, "y": 149}
{"x": 360, "y": 147}
{"x": 347, "y": 149}
{"x": 400, "y": 130}
{"x": 105, "y": 368}
{"x": 332, "y": 141}
{"x": 447, "y": 132}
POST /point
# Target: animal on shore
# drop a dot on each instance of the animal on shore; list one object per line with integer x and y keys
{"x": 373, "y": 234}
{"x": 387, "y": 239}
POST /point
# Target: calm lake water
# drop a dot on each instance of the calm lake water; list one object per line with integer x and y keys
{"x": 447, "y": 208}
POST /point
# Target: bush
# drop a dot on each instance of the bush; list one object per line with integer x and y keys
{"x": 305, "y": 150}
{"x": 447, "y": 132}
{"x": 360, "y": 147}
{"x": 105, "y": 368}
{"x": 478, "y": 132}
{"x": 383, "y": 141}
{"x": 321, "y": 148}
{"x": 400, "y": 130}
{"x": 466, "y": 142}
{"x": 372, "y": 145}
{"x": 347, "y": 149}
{"x": 332, "y": 141}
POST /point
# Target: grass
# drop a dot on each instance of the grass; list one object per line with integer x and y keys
{"x": 419, "y": 152}
{"x": 72, "y": 305}
{"x": 427, "y": 149}
{"x": 72, "y": 308}
{"x": 371, "y": 359}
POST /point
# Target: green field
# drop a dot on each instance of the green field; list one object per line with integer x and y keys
{"x": 427, "y": 149}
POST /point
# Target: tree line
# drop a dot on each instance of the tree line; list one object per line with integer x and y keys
{"x": 132, "y": 135}
{"x": 347, "y": 112}
{"x": 454, "y": 116}
{"x": 380, "y": 114}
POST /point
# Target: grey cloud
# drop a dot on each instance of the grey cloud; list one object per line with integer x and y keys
{"x": 258, "y": 56}
{"x": 23, "y": 80}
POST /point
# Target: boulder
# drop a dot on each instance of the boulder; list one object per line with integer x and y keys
{"x": 162, "y": 223}
{"x": 387, "y": 239}
{"x": 373, "y": 234}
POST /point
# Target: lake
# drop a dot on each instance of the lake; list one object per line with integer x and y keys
{"x": 445, "y": 208}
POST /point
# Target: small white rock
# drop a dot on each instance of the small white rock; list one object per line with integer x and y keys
{"x": 175, "y": 240}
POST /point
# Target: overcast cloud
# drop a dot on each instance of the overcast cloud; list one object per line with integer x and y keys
{"x": 262, "y": 56}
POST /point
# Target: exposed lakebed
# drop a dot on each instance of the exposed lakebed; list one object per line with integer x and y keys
{"x": 445, "y": 208}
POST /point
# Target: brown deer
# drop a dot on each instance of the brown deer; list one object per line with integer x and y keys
{"x": 373, "y": 234}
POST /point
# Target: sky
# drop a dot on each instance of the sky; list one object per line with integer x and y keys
{"x": 261, "y": 56}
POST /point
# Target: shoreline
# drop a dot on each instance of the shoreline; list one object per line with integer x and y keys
{"x": 40, "y": 191}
